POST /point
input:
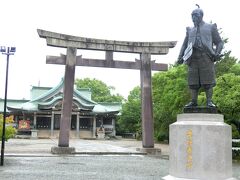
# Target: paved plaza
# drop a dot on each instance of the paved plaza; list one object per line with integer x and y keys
{"x": 31, "y": 159}
{"x": 19, "y": 147}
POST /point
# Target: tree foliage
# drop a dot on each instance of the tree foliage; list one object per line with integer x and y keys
{"x": 235, "y": 69}
{"x": 227, "y": 95}
{"x": 227, "y": 98}
{"x": 100, "y": 91}
{"x": 224, "y": 66}
{"x": 10, "y": 131}
{"x": 170, "y": 94}
{"x": 130, "y": 119}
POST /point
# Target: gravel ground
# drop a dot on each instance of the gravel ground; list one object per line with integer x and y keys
{"x": 27, "y": 159}
{"x": 84, "y": 168}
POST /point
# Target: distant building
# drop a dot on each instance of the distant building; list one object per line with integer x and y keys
{"x": 43, "y": 113}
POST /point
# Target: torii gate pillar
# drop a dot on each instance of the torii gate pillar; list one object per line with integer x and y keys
{"x": 68, "y": 97}
{"x": 146, "y": 97}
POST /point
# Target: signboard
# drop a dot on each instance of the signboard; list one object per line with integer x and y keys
{"x": 24, "y": 125}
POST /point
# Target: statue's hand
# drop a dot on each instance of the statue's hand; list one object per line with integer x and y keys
{"x": 180, "y": 60}
{"x": 217, "y": 57}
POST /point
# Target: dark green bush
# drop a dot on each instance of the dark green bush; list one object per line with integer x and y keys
{"x": 235, "y": 143}
{"x": 236, "y": 154}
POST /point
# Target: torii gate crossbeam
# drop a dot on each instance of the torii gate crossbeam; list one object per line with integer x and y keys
{"x": 145, "y": 65}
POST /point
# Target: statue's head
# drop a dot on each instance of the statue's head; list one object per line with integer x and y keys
{"x": 197, "y": 16}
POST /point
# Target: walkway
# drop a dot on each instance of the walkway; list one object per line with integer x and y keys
{"x": 43, "y": 146}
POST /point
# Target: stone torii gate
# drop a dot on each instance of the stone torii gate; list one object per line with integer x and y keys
{"x": 145, "y": 65}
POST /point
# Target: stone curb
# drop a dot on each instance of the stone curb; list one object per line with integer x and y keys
{"x": 111, "y": 153}
{"x": 87, "y": 153}
{"x": 74, "y": 154}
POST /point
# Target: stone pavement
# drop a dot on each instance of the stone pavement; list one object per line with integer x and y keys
{"x": 43, "y": 146}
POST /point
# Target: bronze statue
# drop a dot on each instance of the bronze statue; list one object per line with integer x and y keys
{"x": 202, "y": 47}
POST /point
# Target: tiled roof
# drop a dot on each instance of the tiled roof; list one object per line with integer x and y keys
{"x": 11, "y": 102}
{"x": 48, "y": 98}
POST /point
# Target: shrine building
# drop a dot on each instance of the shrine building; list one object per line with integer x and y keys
{"x": 42, "y": 113}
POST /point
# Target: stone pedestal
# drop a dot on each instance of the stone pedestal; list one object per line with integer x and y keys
{"x": 62, "y": 150}
{"x": 101, "y": 134}
{"x": 34, "y": 134}
{"x": 200, "y": 148}
{"x": 150, "y": 151}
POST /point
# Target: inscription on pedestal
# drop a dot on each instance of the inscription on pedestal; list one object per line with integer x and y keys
{"x": 189, "y": 149}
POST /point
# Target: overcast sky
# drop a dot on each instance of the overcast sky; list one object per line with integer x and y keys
{"x": 127, "y": 20}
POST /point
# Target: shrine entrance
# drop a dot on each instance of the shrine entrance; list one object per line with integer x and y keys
{"x": 70, "y": 60}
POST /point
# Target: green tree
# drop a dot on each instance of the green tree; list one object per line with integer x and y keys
{"x": 9, "y": 130}
{"x": 224, "y": 66}
{"x": 227, "y": 98}
{"x": 130, "y": 119}
{"x": 100, "y": 91}
{"x": 227, "y": 95}
{"x": 235, "y": 69}
{"x": 170, "y": 94}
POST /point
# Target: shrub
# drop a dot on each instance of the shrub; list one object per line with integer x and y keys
{"x": 235, "y": 133}
{"x": 10, "y": 131}
{"x": 236, "y": 154}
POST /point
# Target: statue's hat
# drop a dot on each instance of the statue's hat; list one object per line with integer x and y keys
{"x": 198, "y": 10}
